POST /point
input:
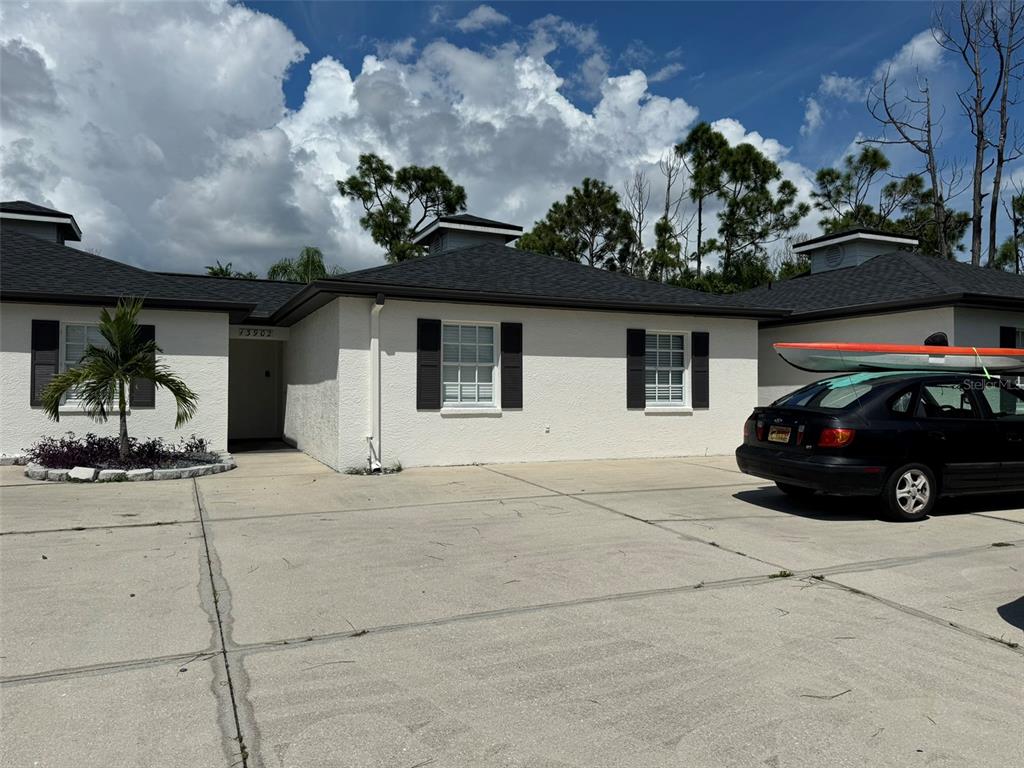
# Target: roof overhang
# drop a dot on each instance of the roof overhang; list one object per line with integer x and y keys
{"x": 510, "y": 232}
{"x": 322, "y": 292}
{"x": 237, "y": 311}
{"x": 68, "y": 222}
{"x": 846, "y": 237}
{"x": 967, "y": 300}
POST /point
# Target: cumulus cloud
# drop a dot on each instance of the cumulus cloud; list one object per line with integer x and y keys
{"x": 173, "y": 155}
{"x": 813, "y": 117}
{"x": 481, "y": 17}
{"x": 396, "y": 49}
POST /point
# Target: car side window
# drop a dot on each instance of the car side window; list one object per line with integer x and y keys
{"x": 945, "y": 401}
{"x": 1005, "y": 402}
{"x": 900, "y": 404}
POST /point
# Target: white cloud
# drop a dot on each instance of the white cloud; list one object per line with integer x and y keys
{"x": 667, "y": 72}
{"x": 921, "y": 54}
{"x": 837, "y": 86}
{"x": 396, "y": 49}
{"x": 481, "y": 17}
{"x": 814, "y": 117}
{"x": 173, "y": 154}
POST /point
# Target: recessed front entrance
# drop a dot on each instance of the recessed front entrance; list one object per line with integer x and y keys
{"x": 255, "y": 389}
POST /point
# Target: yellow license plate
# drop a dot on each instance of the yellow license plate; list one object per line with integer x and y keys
{"x": 779, "y": 434}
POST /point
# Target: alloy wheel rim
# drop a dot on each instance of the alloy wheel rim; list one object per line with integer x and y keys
{"x": 913, "y": 491}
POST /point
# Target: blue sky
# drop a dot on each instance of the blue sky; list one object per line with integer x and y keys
{"x": 756, "y": 62}
{"x": 183, "y": 133}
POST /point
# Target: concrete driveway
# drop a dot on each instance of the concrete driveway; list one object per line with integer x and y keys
{"x": 631, "y": 613}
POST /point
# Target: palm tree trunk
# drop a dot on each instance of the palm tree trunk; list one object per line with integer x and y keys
{"x": 123, "y": 445}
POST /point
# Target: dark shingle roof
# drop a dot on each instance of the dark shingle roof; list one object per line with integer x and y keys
{"x": 892, "y": 279}
{"x": 267, "y": 295}
{"x": 23, "y": 206}
{"x": 32, "y": 269}
{"x": 499, "y": 274}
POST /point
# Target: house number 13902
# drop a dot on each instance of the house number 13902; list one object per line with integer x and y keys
{"x": 257, "y": 333}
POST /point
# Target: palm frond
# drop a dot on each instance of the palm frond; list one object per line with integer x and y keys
{"x": 185, "y": 400}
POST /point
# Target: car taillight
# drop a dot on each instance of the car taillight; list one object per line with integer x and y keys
{"x": 747, "y": 429}
{"x": 800, "y": 434}
{"x": 832, "y": 437}
{"x": 760, "y": 429}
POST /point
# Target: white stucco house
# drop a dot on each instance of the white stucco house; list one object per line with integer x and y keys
{"x": 870, "y": 286}
{"x": 476, "y": 353}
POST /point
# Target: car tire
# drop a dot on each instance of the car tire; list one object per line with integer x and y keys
{"x": 910, "y": 493}
{"x": 795, "y": 491}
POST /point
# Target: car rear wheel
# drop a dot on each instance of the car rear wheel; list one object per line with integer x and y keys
{"x": 796, "y": 491}
{"x": 911, "y": 492}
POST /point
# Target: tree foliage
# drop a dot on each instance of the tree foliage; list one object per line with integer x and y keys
{"x": 703, "y": 152}
{"x": 588, "y": 227}
{"x": 227, "y": 270}
{"x": 397, "y": 203}
{"x": 305, "y": 268}
{"x": 104, "y": 375}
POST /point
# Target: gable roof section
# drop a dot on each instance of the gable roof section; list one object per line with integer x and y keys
{"x": 496, "y": 274}
{"x": 892, "y": 281}
{"x": 36, "y": 270}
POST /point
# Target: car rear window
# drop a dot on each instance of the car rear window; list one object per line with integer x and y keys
{"x": 837, "y": 394}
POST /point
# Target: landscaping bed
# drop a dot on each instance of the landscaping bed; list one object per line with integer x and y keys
{"x": 97, "y": 459}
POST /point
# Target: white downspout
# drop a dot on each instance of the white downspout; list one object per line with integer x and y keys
{"x": 373, "y": 437}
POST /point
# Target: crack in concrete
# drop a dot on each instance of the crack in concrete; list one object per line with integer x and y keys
{"x": 216, "y": 600}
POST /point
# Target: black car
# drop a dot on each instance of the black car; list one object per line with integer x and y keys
{"x": 906, "y": 437}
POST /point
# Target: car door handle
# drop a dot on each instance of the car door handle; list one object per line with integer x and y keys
{"x": 937, "y": 435}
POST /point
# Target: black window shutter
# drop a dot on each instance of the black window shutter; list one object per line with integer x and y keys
{"x": 511, "y": 365}
{"x": 1008, "y": 337}
{"x": 636, "y": 351}
{"x": 45, "y": 357}
{"x": 143, "y": 392}
{"x": 700, "y": 369}
{"x": 428, "y": 365}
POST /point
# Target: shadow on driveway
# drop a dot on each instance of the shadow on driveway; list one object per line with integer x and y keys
{"x": 822, "y": 507}
{"x": 1013, "y": 613}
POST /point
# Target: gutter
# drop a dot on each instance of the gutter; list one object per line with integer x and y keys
{"x": 341, "y": 288}
{"x": 973, "y": 300}
{"x": 238, "y": 311}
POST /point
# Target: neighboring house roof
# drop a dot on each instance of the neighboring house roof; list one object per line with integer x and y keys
{"x": 37, "y": 270}
{"x": 497, "y": 274}
{"x": 889, "y": 282}
{"x": 22, "y": 209}
{"x": 266, "y": 295}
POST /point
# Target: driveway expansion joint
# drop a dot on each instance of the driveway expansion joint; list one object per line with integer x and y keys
{"x": 216, "y": 599}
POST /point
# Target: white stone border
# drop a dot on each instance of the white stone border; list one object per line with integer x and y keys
{"x": 93, "y": 475}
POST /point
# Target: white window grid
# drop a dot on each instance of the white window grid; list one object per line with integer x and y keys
{"x": 665, "y": 369}
{"x": 75, "y": 337}
{"x": 468, "y": 364}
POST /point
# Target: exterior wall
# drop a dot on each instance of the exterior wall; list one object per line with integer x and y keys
{"x": 574, "y": 390}
{"x": 311, "y": 385}
{"x": 194, "y": 344}
{"x": 980, "y": 327}
{"x": 776, "y": 377}
{"x": 255, "y": 389}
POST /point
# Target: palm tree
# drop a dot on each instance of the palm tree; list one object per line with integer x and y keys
{"x": 220, "y": 270}
{"x": 105, "y": 374}
{"x": 305, "y": 268}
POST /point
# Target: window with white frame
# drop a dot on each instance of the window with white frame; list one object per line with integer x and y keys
{"x": 665, "y": 372}
{"x": 77, "y": 338}
{"x": 467, "y": 364}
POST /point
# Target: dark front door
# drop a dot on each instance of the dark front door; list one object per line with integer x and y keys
{"x": 957, "y": 436}
{"x": 1006, "y": 403}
